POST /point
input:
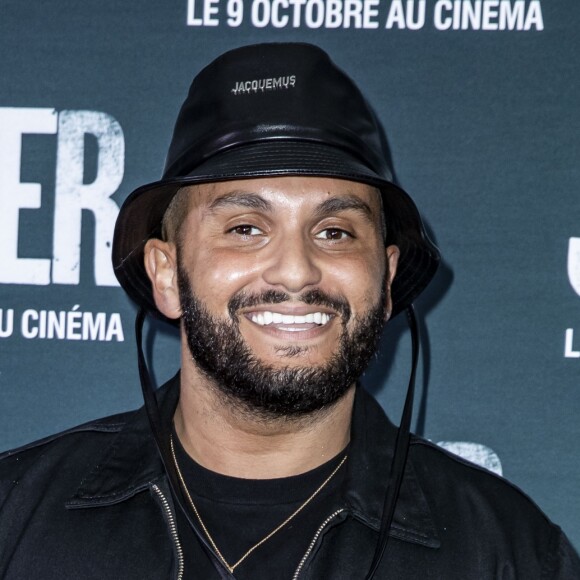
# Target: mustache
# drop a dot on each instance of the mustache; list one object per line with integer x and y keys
{"x": 313, "y": 297}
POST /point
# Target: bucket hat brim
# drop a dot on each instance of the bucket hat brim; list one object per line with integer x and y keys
{"x": 141, "y": 215}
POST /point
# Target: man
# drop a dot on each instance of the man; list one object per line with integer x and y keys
{"x": 279, "y": 244}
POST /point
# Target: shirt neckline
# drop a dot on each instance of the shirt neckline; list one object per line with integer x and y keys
{"x": 207, "y": 484}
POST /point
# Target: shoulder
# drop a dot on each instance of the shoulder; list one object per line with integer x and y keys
{"x": 458, "y": 490}
{"x": 73, "y": 448}
{"x": 105, "y": 451}
{"x": 450, "y": 480}
{"x": 485, "y": 513}
{"x": 110, "y": 424}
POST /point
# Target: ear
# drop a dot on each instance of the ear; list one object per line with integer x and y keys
{"x": 161, "y": 266}
{"x": 392, "y": 261}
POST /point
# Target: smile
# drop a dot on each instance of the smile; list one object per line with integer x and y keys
{"x": 290, "y": 322}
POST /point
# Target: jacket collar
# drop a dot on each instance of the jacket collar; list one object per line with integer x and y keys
{"x": 131, "y": 464}
{"x": 371, "y": 452}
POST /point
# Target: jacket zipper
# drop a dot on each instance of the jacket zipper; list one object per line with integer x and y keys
{"x": 179, "y": 549}
{"x": 172, "y": 530}
{"x": 313, "y": 542}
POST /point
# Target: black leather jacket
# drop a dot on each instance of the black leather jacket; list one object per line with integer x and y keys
{"x": 94, "y": 503}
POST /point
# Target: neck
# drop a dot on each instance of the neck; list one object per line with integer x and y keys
{"x": 226, "y": 440}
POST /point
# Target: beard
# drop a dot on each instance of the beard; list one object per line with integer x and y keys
{"x": 261, "y": 390}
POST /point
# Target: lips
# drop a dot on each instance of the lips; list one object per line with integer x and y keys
{"x": 290, "y": 322}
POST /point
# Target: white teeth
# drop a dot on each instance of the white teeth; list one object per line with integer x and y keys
{"x": 267, "y": 317}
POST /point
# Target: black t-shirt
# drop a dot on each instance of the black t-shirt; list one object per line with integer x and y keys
{"x": 238, "y": 513}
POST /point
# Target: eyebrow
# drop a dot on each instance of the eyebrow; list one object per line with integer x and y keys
{"x": 345, "y": 203}
{"x": 240, "y": 198}
{"x": 330, "y": 206}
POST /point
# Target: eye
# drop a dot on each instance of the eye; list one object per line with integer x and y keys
{"x": 333, "y": 234}
{"x": 245, "y": 230}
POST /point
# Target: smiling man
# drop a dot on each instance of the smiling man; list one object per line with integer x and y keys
{"x": 279, "y": 245}
{"x": 286, "y": 319}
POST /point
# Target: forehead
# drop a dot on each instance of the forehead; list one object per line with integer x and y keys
{"x": 279, "y": 193}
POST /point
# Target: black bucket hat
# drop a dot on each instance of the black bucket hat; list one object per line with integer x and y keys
{"x": 273, "y": 110}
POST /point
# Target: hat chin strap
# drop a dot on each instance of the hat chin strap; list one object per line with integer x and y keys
{"x": 162, "y": 440}
{"x": 401, "y": 450}
{"x": 398, "y": 462}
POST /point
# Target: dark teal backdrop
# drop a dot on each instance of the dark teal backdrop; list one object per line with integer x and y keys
{"x": 480, "y": 102}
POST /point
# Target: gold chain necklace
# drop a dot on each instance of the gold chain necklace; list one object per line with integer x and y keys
{"x": 266, "y": 538}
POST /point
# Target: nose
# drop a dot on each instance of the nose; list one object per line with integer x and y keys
{"x": 292, "y": 265}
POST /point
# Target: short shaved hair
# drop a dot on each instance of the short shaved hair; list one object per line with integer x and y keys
{"x": 175, "y": 214}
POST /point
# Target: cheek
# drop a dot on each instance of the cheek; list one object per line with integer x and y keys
{"x": 359, "y": 280}
{"x": 366, "y": 267}
{"x": 217, "y": 275}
